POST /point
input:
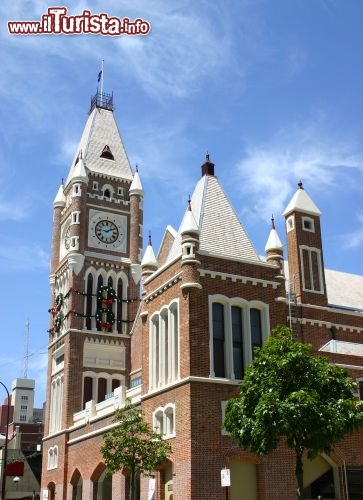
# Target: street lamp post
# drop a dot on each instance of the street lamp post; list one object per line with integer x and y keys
{"x": 5, "y": 456}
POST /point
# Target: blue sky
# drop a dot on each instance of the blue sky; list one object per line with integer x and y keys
{"x": 272, "y": 89}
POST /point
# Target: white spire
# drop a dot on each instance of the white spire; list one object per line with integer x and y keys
{"x": 79, "y": 173}
{"x": 136, "y": 186}
{"x": 189, "y": 224}
{"x": 60, "y": 199}
{"x": 302, "y": 202}
{"x": 149, "y": 259}
{"x": 273, "y": 241}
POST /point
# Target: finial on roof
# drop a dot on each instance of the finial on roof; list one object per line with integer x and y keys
{"x": 137, "y": 168}
{"x": 189, "y": 204}
{"x": 62, "y": 181}
{"x": 150, "y": 238}
{"x": 80, "y": 154}
{"x": 300, "y": 184}
{"x": 208, "y": 166}
{"x": 272, "y": 222}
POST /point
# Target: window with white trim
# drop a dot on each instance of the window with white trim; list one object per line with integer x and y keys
{"x": 164, "y": 346}
{"x": 308, "y": 224}
{"x": 75, "y": 217}
{"x": 94, "y": 279}
{"x": 311, "y": 269}
{"x": 56, "y": 404}
{"x": 236, "y": 328}
{"x": 290, "y": 223}
{"x": 164, "y": 420}
{"x": 100, "y": 386}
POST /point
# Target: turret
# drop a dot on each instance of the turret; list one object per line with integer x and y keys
{"x": 58, "y": 205}
{"x": 274, "y": 249}
{"x": 149, "y": 263}
{"x": 136, "y": 194}
{"x": 305, "y": 249}
{"x": 189, "y": 232}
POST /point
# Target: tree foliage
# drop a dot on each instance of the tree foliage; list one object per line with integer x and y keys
{"x": 133, "y": 446}
{"x": 289, "y": 394}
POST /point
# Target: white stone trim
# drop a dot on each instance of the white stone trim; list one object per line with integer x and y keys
{"x": 162, "y": 288}
{"x": 164, "y": 349}
{"x": 236, "y": 278}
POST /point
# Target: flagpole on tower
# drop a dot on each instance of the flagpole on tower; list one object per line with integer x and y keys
{"x": 102, "y": 71}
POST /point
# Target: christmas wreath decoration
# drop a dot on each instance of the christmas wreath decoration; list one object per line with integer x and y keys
{"x": 106, "y": 296}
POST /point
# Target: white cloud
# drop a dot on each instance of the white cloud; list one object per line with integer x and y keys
{"x": 269, "y": 173}
{"x": 354, "y": 239}
{"x": 21, "y": 255}
{"x": 14, "y": 210}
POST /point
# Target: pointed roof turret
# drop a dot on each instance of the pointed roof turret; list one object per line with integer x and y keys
{"x": 220, "y": 231}
{"x": 101, "y": 144}
{"x": 60, "y": 199}
{"x": 136, "y": 186}
{"x": 149, "y": 260}
{"x": 301, "y": 202}
{"x": 189, "y": 224}
{"x": 273, "y": 241}
{"x": 79, "y": 173}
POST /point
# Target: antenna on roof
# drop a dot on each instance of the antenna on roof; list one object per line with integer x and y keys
{"x": 26, "y": 342}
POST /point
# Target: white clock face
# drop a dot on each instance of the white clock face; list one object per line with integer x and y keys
{"x": 107, "y": 231}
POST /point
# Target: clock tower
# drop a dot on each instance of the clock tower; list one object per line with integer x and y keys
{"x": 96, "y": 253}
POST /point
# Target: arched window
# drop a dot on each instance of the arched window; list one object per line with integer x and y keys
{"x": 89, "y": 301}
{"x": 87, "y": 390}
{"x": 102, "y": 390}
{"x": 236, "y": 328}
{"x": 218, "y": 340}
{"x": 99, "y": 299}
{"x": 237, "y": 338}
{"x": 164, "y": 346}
{"x": 119, "y": 305}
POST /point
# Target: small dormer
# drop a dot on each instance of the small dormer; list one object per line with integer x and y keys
{"x": 107, "y": 153}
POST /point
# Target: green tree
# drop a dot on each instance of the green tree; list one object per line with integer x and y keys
{"x": 133, "y": 446}
{"x": 292, "y": 396}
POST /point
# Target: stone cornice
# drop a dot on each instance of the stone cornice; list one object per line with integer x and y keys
{"x": 237, "y": 278}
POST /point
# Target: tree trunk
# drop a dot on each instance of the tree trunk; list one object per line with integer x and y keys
{"x": 299, "y": 475}
{"x": 134, "y": 485}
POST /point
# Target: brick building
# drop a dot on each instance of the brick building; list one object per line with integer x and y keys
{"x": 207, "y": 299}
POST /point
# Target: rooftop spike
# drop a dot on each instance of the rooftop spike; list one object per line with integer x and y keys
{"x": 272, "y": 222}
{"x": 208, "y": 166}
{"x": 300, "y": 184}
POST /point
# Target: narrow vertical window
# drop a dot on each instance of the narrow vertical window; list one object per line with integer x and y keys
{"x": 218, "y": 340}
{"x": 99, "y": 298}
{"x": 237, "y": 338}
{"x": 102, "y": 389}
{"x": 89, "y": 300}
{"x": 87, "y": 390}
{"x": 119, "y": 305}
{"x": 256, "y": 329}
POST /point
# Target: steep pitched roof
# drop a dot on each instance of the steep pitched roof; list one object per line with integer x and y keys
{"x": 100, "y": 131}
{"x": 220, "y": 231}
{"x": 301, "y": 202}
